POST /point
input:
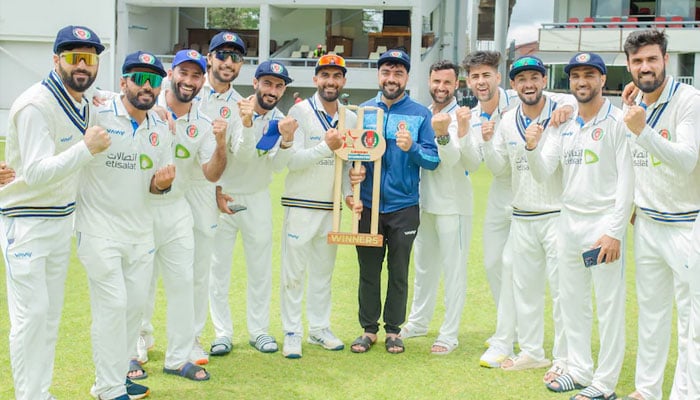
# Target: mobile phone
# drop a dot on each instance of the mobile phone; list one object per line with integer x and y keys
{"x": 236, "y": 207}
{"x": 590, "y": 257}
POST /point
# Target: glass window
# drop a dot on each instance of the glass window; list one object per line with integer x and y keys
{"x": 609, "y": 8}
{"x": 680, "y": 8}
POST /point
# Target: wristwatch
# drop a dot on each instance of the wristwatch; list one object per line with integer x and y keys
{"x": 443, "y": 140}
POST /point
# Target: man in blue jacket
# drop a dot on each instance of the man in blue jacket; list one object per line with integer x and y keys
{"x": 410, "y": 146}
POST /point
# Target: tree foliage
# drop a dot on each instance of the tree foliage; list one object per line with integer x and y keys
{"x": 233, "y": 18}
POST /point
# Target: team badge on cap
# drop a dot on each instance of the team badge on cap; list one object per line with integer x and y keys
{"x": 395, "y": 54}
{"x": 147, "y": 58}
{"x": 193, "y": 54}
{"x": 583, "y": 57}
{"x": 276, "y": 68}
{"x": 81, "y": 34}
{"x": 229, "y": 37}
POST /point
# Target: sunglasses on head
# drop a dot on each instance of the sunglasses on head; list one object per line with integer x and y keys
{"x": 331, "y": 60}
{"x": 525, "y": 61}
{"x": 224, "y": 54}
{"x": 140, "y": 78}
{"x": 74, "y": 58}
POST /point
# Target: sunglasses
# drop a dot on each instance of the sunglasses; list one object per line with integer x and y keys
{"x": 332, "y": 60}
{"x": 224, "y": 54}
{"x": 140, "y": 78}
{"x": 74, "y": 58}
{"x": 525, "y": 61}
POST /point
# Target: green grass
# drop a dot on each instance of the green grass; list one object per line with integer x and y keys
{"x": 321, "y": 374}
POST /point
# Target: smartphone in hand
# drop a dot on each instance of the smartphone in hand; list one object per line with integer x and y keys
{"x": 236, "y": 207}
{"x": 590, "y": 257}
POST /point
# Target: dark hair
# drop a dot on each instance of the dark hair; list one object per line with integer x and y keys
{"x": 648, "y": 37}
{"x": 443, "y": 65}
{"x": 477, "y": 58}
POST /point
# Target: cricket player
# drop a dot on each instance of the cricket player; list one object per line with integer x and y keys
{"x": 51, "y": 135}
{"x": 199, "y": 148}
{"x": 536, "y": 207}
{"x": 694, "y": 334}
{"x": 219, "y": 103}
{"x": 262, "y": 149}
{"x": 114, "y": 221}
{"x": 664, "y": 139}
{"x": 598, "y": 182}
{"x": 308, "y": 216}
{"x": 442, "y": 242}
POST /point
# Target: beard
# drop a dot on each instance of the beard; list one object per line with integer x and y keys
{"x": 648, "y": 87}
{"x": 538, "y": 97}
{"x": 264, "y": 105}
{"x": 583, "y": 99}
{"x": 181, "y": 97}
{"x": 392, "y": 95}
{"x": 218, "y": 77}
{"x": 79, "y": 84}
{"x": 446, "y": 100}
{"x": 133, "y": 98}
{"x": 329, "y": 96}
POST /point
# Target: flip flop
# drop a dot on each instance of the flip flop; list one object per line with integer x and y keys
{"x": 363, "y": 342}
{"x": 449, "y": 348}
{"x": 220, "y": 346}
{"x": 264, "y": 344}
{"x": 135, "y": 366}
{"x": 565, "y": 384}
{"x": 392, "y": 342}
{"x": 188, "y": 371}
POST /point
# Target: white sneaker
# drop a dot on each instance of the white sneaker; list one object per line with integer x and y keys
{"x": 292, "y": 345}
{"x": 144, "y": 343}
{"x": 198, "y": 355}
{"x": 326, "y": 339}
{"x": 493, "y": 357}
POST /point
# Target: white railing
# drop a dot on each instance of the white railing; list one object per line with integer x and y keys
{"x": 689, "y": 80}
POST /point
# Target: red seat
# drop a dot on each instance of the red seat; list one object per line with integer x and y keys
{"x": 572, "y": 22}
{"x": 658, "y": 22}
{"x": 634, "y": 25}
{"x": 613, "y": 20}
{"x": 588, "y": 19}
{"x": 644, "y": 11}
{"x": 676, "y": 18}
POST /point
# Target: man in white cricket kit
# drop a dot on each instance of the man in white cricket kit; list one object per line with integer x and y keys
{"x": 308, "y": 216}
{"x": 256, "y": 155}
{"x": 114, "y": 220}
{"x": 664, "y": 133}
{"x": 199, "y": 148}
{"x": 536, "y": 207}
{"x": 694, "y": 329}
{"x": 444, "y": 233}
{"x": 49, "y": 138}
{"x": 598, "y": 183}
{"x": 218, "y": 102}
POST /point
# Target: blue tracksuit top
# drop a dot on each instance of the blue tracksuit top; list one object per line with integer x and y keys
{"x": 400, "y": 169}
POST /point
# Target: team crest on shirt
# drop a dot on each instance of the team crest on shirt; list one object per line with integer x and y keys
{"x": 192, "y": 131}
{"x": 154, "y": 139}
{"x": 81, "y": 34}
{"x": 665, "y": 134}
{"x": 225, "y": 112}
{"x": 597, "y": 134}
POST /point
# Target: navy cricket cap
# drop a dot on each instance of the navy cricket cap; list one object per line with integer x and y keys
{"x": 271, "y": 134}
{"x": 586, "y": 60}
{"x": 143, "y": 59}
{"x": 526, "y": 63}
{"x": 191, "y": 56}
{"x": 275, "y": 69}
{"x": 77, "y": 36}
{"x": 395, "y": 56}
{"x": 227, "y": 39}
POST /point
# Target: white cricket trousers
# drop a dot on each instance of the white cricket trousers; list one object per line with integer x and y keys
{"x": 118, "y": 277}
{"x": 505, "y": 335}
{"x": 534, "y": 247}
{"x": 661, "y": 256}
{"x": 306, "y": 258}
{"x": 495, "y": 234}
{"x": 174, "y": 258}
{"x": 694, "y": 334}
{"x": 202, "y": 199}
{"x": 441, "y": 249}
{"x": 36, "y": 253}
{"x": 255, "y": 226}
{"x": 577, "y": 233}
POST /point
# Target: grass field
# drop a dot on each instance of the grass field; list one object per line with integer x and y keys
{"x": 321, "y": 374}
